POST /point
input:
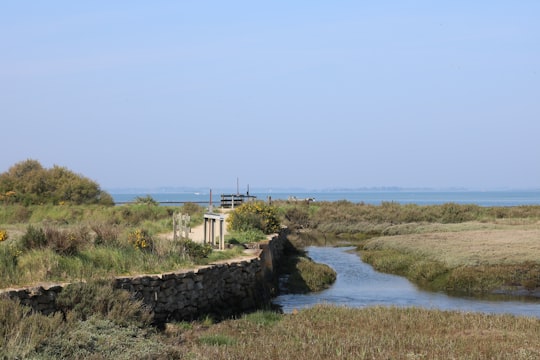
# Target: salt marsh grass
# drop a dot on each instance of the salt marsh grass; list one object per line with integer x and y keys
{"x": 468, "y": 247}
{"x": 329, "y": 332}
{"x": 469, "y": 261}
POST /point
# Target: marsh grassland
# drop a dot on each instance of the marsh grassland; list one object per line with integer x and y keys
{"x": 461, "y": 248}
{"x": 472, "y": 258}
{"x": 455, "y": 248}
{"x": 329, "y": 332}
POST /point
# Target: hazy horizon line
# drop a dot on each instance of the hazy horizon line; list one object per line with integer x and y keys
{"x": 279, "y": 189}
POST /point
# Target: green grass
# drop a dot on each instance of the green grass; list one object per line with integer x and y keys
{"x": 72, "y": 243}
{"x": 216, "y": 340}
{"x": 428, "y": 273}
{"x": 245, "y": 237}
{"x": 263, "y": 318}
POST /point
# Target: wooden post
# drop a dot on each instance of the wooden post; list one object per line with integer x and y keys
{"x": 205, "y": 224}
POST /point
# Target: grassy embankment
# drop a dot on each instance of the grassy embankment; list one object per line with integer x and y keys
{"x": 50, "y": 243}
{"x": 457, "y": 248}
{"x": 108, "y": 325}
{"x": 104, "y": 326}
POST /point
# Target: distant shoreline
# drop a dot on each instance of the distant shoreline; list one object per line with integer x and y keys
{"x": 374, "y": 197}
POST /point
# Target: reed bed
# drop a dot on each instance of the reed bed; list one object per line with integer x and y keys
{"x": 330, "y": 332}
{"x": 99, "y": 331}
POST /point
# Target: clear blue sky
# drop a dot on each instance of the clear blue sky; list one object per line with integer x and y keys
{"x": 311, "y": 94}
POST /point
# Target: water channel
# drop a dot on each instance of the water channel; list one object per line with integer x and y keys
{"x": 358, "y": 285}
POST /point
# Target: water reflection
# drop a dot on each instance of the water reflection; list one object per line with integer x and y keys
{"x": 358, "y": 285}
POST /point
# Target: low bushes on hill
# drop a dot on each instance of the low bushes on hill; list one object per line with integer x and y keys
{"x": 28, "y": 182}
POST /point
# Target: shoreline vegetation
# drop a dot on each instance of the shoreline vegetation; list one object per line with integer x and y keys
{"x": 460, "y": 249}
{"x": 104, "y": 326}
{"x": 467, "y": 248}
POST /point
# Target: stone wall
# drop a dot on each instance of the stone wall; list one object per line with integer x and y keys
{"x": 220, "y": 289}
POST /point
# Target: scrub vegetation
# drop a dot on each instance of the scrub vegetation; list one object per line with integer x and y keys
{"x": 57, "y": 226}
{"x": 66, "y": 236}
{"x": 99, "y": 322}
{"x": 451, "y": 247}
{"x": 79, "y": 242}
{"x": 29, "y": 183}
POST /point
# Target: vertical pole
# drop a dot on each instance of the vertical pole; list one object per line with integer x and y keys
{"x": 221, "y": 238}
{"x": 210, "y": 208}
{"x": 212, "y": 232}
{"x": 205, "y": 225}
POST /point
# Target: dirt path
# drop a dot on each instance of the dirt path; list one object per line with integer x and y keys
{"x": 197, "y": 233}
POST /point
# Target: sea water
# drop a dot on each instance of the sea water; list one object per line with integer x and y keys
{"x": 375, "y": 197}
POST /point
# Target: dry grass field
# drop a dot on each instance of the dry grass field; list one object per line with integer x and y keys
{"x": 454, "y": 246}
{"x": 471, "y": 257}
{"x": 329, "y": 332}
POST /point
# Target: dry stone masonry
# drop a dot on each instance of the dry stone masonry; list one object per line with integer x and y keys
{"x": 219, "y": 289}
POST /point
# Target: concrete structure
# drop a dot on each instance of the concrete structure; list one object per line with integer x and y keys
{"x": 209, "y": 228}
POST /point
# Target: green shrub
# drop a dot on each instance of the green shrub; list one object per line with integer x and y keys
{"x": 106, "y": 232}
{"x": 195, "y": 251}
{"x": 34, "y": 238}
{"x": 146, "y": 200}
{"x": 9, "y": 256}
{"x": 99, "y": 338}
{"x": 22, "y": 330}
{"x": 297, "y": 217}
{"x": 67, "y": 242}
{"x": 254, "y": 215}
{"x": 98, "y": 297}
{"x": 63, "y": 242}
{"x": 27, "y": 183}
{"x": 191, "y": 209}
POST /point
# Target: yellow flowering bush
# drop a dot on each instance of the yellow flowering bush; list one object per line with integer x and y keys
{"x": 3, "y": 235}
{"x": 254, "y": 215}
{"x": 8, "y": 197}
{"x": 141, "y": 240}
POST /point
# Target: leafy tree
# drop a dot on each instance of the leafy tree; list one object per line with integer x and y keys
{"x": 28, "y": 183}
